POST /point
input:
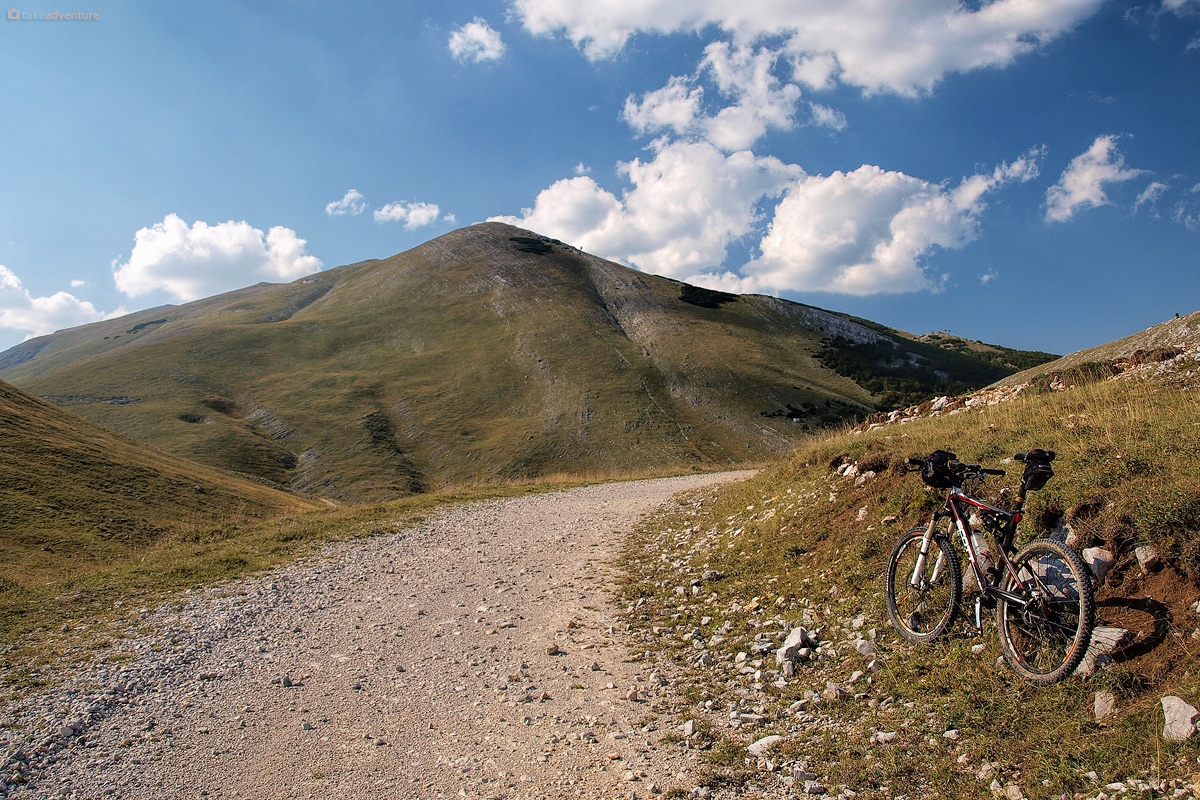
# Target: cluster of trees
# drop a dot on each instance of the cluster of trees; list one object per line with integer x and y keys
{"x": 904, "y": 373}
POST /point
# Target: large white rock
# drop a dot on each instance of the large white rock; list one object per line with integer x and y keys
{"x": 1104, "y": 641}
{"x": 1099, "y": 561}
{"x": 1180, "y": 719}
{"x": 760, "y": 748}
{"x": 795, "y": 640}
{"x": 1105, "y": 705}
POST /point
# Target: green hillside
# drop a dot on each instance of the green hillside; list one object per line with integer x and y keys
{"x": 76, "y": 499}
{"x": 489, "y": 353}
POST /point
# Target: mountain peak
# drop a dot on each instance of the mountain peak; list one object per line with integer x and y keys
{"x": 488, "y": 352}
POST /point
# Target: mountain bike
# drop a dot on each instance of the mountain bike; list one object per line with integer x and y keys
{"x": 1045, "y": 605}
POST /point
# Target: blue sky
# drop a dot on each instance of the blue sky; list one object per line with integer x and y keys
{"x": 1023, "y": 173}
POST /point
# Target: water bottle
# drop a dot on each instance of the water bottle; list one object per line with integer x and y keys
{"x": 982, "y": 554}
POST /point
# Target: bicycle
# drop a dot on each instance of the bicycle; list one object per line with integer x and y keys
{"x": 1043, "y": 596}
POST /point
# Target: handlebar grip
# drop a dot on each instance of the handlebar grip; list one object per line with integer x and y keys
{"x": 993, "y": 472}
{"x": 915, "y": 462}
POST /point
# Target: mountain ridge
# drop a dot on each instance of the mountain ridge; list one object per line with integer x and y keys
{"x": 488, "y": 353}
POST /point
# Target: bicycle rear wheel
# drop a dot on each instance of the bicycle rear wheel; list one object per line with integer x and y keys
{"x": 922, "y": 605}
{"x": 1045, "y": 640}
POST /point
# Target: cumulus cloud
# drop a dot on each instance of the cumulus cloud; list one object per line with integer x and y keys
{"x": 36, "y": 316}
{"x": 676, "y": 107}
{"x": 351, "y": 204}
{"x": 412, "y": 215}
{"x": 476, "y": 41}
{"x": 683, "y": 209}
{"x": 744, "y": 76}
{"x": 1082, "y": 184}
{"x": 193, "y": 261}
{"x": 904, "y": 48}
{"x": 862, "y": 232}
{"x": 865, "y": 232}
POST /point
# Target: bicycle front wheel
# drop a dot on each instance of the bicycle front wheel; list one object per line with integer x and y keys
{"x": 921, "y": 603}
{"x": 1044, "y": 639}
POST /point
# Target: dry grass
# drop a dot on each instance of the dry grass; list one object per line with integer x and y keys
{"x": 807, "y": 543}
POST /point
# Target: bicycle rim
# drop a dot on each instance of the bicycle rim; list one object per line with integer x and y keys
{"x": 1047, "y": 639}
{"x": 924, "y": 611}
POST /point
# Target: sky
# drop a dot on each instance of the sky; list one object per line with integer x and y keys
{"x": 1022, "y": 172}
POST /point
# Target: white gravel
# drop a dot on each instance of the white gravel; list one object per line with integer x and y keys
{"x": 476, "y": 655}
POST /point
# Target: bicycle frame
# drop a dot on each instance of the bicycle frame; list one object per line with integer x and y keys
{"x": 957, "y": 508}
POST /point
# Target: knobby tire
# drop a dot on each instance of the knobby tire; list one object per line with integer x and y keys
{"x": 925, "y": 612}
{"x": 1045, "y": 641}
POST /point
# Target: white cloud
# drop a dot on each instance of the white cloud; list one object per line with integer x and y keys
{"x": 36, "y": 316}
{"x": 682, "y": 211}
{"x": 1150, "y": 195}
{"x": 989, "y": 276}
{"x": 744, "y": 75}
{"x": 1187, "y": 209}
{"x": 190, "y": 262}
{"x": 904, "y": 48}
{"x": 1082, "y": 182}
{"x": 413, "y": 215}
{"x": 866, "y": 232}
{"x": 351, "y": 204}
{"x": 826, "y": 117}
{"x": 476, "y": 41}
{"x": 676, "y": 106}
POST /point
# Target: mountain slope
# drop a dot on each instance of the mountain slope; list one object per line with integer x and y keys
{"x": 489, "y": 352}
{"x": 74, "y": 496}
{"x": 1174, "y": 334}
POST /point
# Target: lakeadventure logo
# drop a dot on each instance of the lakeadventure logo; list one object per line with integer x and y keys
{"x": 16, "y": 15}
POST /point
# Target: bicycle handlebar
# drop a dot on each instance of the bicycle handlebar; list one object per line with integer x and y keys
{"x": 959, "y": 468}
{"x": 973, "y": 469}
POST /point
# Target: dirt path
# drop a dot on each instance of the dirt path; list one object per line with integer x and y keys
{"x": 472, "y": 656}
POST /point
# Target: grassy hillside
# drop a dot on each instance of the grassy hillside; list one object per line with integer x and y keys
{"x": 76, "y": 499}
{"x": 1172, "y": 335}
{"x": 489, "y": 353}
{"x": 731, "y": 572}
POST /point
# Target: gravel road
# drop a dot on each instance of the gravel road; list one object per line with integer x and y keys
{"x": 475, "y": 655}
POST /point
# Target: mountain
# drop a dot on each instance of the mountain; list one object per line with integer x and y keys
{"x": 488, "y": 353}
{"x": 75, "y": 497}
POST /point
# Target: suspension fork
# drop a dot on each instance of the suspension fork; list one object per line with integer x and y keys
{"x": 923, "y": 555}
